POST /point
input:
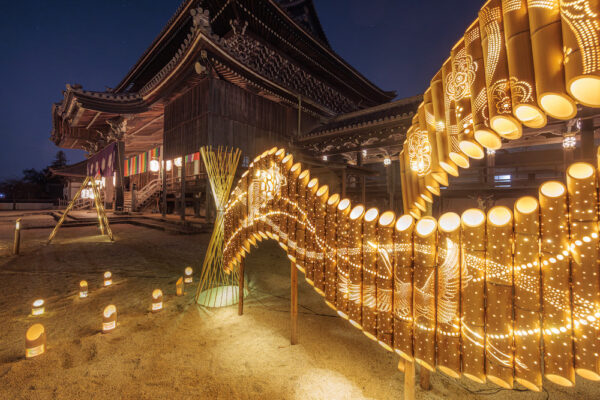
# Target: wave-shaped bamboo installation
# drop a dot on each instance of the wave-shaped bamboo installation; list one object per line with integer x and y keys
{"x": 519, "y": 62}
{"x": 502, "y": 297}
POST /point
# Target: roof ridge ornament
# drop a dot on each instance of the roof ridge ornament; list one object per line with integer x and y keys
{"x": 200, "y": 19}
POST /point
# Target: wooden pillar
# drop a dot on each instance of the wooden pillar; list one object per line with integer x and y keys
{"x": 17, "y": 242}
{"x": 409, "y": 380}
{"x": 182, "y": 203}
{"x": 294, "y": 304}
{"x": 424, "y": 375}
{"x": 164, "y": 188}
{"x": 344, "y": 183}
{"x": 119, "y": 189}
{"x": 490, "y": 161}
{"x": 241, "y": 287}
{"x": 586, "y": 135}
{"x": 363, "y": 185}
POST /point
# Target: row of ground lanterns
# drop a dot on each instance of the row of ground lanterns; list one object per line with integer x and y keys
{"x": 35, "y": 338}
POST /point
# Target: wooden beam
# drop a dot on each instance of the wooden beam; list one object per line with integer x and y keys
{"x": 88, "y": 126}
{"x": 294, "y": 304}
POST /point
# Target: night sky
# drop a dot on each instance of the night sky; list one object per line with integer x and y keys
{"x": 397, "y": 44}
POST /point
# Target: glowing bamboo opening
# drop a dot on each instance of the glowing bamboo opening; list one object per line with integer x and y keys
{"x": 37, "y": 308}
{"x": 448, "y": 295}
{"x": 83, "y": 289}
{"x": 35, "y": 341}
{"x": 472, "y": 295}
{"x": 157, "y": 300}
{"x": 369, "y": 244}
{"x": 403, "y": 287}
{"x": 424, "y": 292}
{"x": 332, "y": 249}
{"x": 109, "y": 319}
{"x": 342, "y": 268}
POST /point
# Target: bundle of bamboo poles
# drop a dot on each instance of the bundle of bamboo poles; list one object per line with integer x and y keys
{"x": 216, "y": 288}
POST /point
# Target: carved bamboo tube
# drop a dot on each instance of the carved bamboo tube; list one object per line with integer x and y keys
{"x": 385, "y": 279}
{"x": 342, "y": 269}
{"x": 369, "y": 283}
{"x": 448, "y": 295}
{"x": 527, "y": 294}
{"x": 309, "y": 232}
{"x": 403, "y": 287}
{"x": 331, "y": 250}
{"x": 556, "y": 301}
{"x": 583, "y": 206}
{"x": 456, "y": 155}
{"x": 424, "y": 292}
{"x": 355, "y": 265}
{"x": 443, "y": 141}
{"x": 300, "y": 251}
{"x": 436, "y": 171}
{"x": 472, "y": 294}
{"x": 286, "y": 166}
{"x": 292, "y": 210}
{"x": 320, "y": 239}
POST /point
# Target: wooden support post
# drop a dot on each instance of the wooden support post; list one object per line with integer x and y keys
{"x": 409, "y": 380}
{"x": 164, "y": 188}
{"x": 294, "y": 305}
{"x": 17, "y": 244}
{"x": 344, "y": 183}
{"x": 363, "y": 185}
{"x": 182, "y": 188}
{"x": 424, "y": 378}
{"x": 241, "y": 288}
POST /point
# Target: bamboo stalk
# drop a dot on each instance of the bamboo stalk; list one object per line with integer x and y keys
{"x": 403, "y": 287}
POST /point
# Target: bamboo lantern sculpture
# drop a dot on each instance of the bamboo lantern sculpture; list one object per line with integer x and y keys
{"x": 37, "y": 308}
{"x": 499, "y": 310}
{"x": 556, "y": 316}
{"x": 581, "y": 38}
{"x": 527, "y": 294}
{"x": 484, "y": 134}
{"x": 369, "y": 244}
{"x": 280, "y": 168}
{"x": 342, "y": 266}
{"x": 157, "y": 300}
{"x": 547, "y": 48}
{"x": 496, "y": 71}
{"x": 109, "y": 319}
{"x": 437, "y": 172}
{"x": 520, "y": 64}
{"x": 83, "y": 289}
{"x": 456, "y": 154}
{"x": 332, "y": 250}
{"x": 443, "y": 141}
{"x": 35, "y": 341}
{"x": 583, "y": 206}
{"x": 300, "y": 251}
{"x": 424, "y": 292}
{"x": 320, "y": 239}
{"x": 448, "y": 295}
{"x": 287, "y": 163}
{"x": 403, "y": 287}
{"x": 217, "y": 288}
{"x": 472, "y": 294}
{"x": 309, "y": 235}
{"x": 385, "y": 280}
{"x": 355, "y": 265}
{"x": 293, "y": 209}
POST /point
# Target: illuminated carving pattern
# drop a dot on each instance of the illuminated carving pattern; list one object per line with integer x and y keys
{"x": 419, "y": 152}
{"x": 586, "y": 25}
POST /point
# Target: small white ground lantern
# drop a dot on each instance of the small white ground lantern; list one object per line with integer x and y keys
{"x": 179, "y": 286}
{"x": 37, "y": 307}
{"x": 188, "y": 275}
{"x": 157, "y": 300}
{"x": 107, "y": 278}
{"x": 83, "y": 289}
{"x": 35, "y": 341}
{"x": 109, "y": 318}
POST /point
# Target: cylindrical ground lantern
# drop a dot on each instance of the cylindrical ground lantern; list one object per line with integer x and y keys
{"x": 369, "y": 269}
{"x": 342, "y": 268}
{"x": 385, "y": 279}
{"x": 109, "y": 319}
{"x": 37, "y": 308}
{"x": 355, "y": 265}
{"x": 157, "y": 300}
{"x": 35, "y": 341}
{"x": 403, "y": 287}
{"x": 83, "y": 289}
{"x": 309, "y": 231}
{"x": 320, "y": 239}
{"x": 107, "y": 278}
{"x": 300, "y": 250}
{"x": 331, "y": 245}
{"x": 189, "y": 278}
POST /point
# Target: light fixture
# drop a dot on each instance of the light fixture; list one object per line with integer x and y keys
{"x": 569, "y": 142}
{"x": 157, "y": 300}
{"x": 107, "y": 278}
{"x": 109, "y": 320}
{"x": 169, "y": 165}
{"x": 35, "y": 341}
{"x": 178, "y": 162}
{"x": 154, "y": 165}
{"x": 188, "y": 275}
{"x": 37, "y": 307}
{"x": 364, "y": 153}
{"x": 83, "y": 289}
{"x": 387, "y": 161}
{"x": 490, "y": 152}
{"x": 324, "y": 158}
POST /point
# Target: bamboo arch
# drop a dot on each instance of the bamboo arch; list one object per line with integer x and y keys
{"x": 503, "y": 297}
{"x": 519, "y": 62}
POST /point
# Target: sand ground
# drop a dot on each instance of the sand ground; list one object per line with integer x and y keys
{"x": 186, "y": 351}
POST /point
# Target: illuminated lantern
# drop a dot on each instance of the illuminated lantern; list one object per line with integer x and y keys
{"x": 497, "y": 77}
{"x": 342, "y": 273}
{"x": 385, "y": 280}
{"x": 520, "y": 64}
{"x": 472, "y": 294}
{"x": 424, "y": 292}
{"x": 369, "y": 245}
{"x": 556, "y": 312}
{"x": 154, "y": 165}
{"x": 300, "y": 251}
{"x": 83, "y": 289}
{"x": 179, "y": 286}
{"x": 178, "y": 162}
{"x": 581, "y": 44}
{"x": 439, "y": 112}
{"x": 107, "y": 278}
{"x": 355, "y": 266}
{"x": 35, "y": 341}
{"x": 583, "y": 205}
{"x": 405, "y": 188}
{"x": 319, "y": 242}
{"x": 169, "y": 165}
{"x": 448, "y": 295}
{"x": 455, "y": 153}
{"x": 437, "y": 172}
{"x": 37, "y": 307}
{"x": 548, "y": 63}
{"x": 332, "y": 250}
{"x": 292, "y": 209}
{"x": 527, "y": 295}
{"x": 403, "y": 287}
{"x": 157, "y": 300}
{"x": 109, "y": 319}
{"x": 499, "y": 286}
{"x": 287, "y": 163}
{"x": 189, "y": 278}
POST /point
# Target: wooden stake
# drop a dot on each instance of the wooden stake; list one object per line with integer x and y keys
{"x": 409, "y": 380}
{"x": 294, "y": 305}
{"x": 241, "y": 288}
{"x": 17, "y": 244}
{"x": 424, "y": 378}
